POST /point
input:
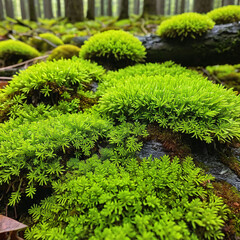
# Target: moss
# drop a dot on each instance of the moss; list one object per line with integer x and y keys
{"x": 67, "y": 38}
{"x": 42, "y": 45}
{"x": 186, "y": 25}
{"x": 231, "y": 198}
{"x": 226, "y": 74}
{"x": 13, "y": 51}
{"x": 115, "y": 47}
{"x": 226, "y": 14}
{"x": 64, "y": 51}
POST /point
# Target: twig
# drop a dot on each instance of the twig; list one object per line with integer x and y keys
{"x": 6, "y": 78}
{"x": 23, "y": 63}
{"x": 142, "y": 26}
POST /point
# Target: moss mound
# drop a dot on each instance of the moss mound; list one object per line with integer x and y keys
{"x": 13, "y": 51}
{"x": 50, "y": 83}
{"x": 186, "y": 25}
{"x": 228, "y": 75}
{"x": 44, "y": 46}
{"x": 65, "y": 51}
{"x": 226, "y": 14}
{"x": 183, "y": 102}
{"x": 116, "y": 47}
{"x": 158, "y": 199}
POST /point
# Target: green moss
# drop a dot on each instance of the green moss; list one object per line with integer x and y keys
{"x": 158, "y": 199}
{"x": 13, "y": 51}
{"x": 226, "y": 14}
{"x": 226, "y": 74}
{"x": 67, "y": 38}
{"x": 64, "y": 51}
{"x": 42, "y": 45}
{"x": 186, "y": 25}
{"x": 118, "y": 47}
{"x": 184, "y": 102}
{"x": 50, "y": 83}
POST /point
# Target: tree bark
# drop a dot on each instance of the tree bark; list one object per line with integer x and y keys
{"x": 124, "y": 14}
{"x": 136, "y": 6}
{"x": 47, "y": 8}
{"x": 23, "y": 9}
{"x": 182, "y": 7}
{"x": 203, "y": 6}
{"x": 149, "y": 7}
{"x": 74, "y": 10}
{"x": 38, "y": 8}
{"x": 1, "y": 11}
{"x": 102, "y": 8}
{"x": 59, "y": 8}
{"x": 91, "y": 10}
{"x": 32, "y": 11}
{"x": 9, "y": 8}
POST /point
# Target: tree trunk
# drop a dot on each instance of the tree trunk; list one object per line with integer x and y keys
{"x": 123, "y": 10}
{"x": 176, "y": 7}
{"x": 38, "y": 8}
{"x": 1, "y": 11}
{"x": 182, "y": 7}
{"x": 47, "y": 8}
{"x": 229, "y": 2}
{"x": 109, "y": 8}
{"x": 162, "y": 7}
{"x": 91, "y": 10}
{"x": 102, "y": 8}
{"x": 59, "y": 8}
{"x": 23, "y": 9}
{"x": 216, "y": 47}
{"x": 169, "y": 7}
{"x": 32, "y": 11}
{"x": 203, "y": 6}
{"x": 9, "y": 8}
{"x": 74, "y": 10}
{"x": 136, "y": 6}
{"x": 149, "y": 7}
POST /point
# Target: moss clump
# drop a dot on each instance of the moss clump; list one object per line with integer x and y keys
{"x": 183, "y": 102}
{"x": 42, "y": 45}
{"x": 226, "y": 14}
{"x": 228, "y": 75}
{"x": 186, "y": 25}
{"x": 116, "y": 47}
{"x": 65, "y": 51}
{"x": 158, "y": 199}
{"x": 13, "y": 51}
{"x": 50, "y": 83}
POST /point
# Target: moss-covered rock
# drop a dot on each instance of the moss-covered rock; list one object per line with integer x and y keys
{"x": 117, "y": 48}
{"x": 186, "y": 25}
{"x": 43, "y": 45}
{"x": 64, "y": 51}
{"x": 226, "y": 14}
{"x": 13, "y": 51}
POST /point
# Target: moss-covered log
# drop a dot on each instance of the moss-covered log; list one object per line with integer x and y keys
{"x": 220, "y": 45}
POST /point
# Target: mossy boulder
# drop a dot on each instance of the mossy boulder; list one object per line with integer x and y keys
{"x": 226, "y": 14}
{"x": 64, "y": 51}
{"x": 45, "y": 42}
{"x": 186, "y": 25}
{"x": 115, "y": 47}
{"x": 13, "y": 51}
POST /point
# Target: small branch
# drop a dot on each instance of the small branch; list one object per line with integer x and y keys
{"x": 23, "y": 63}
{"x": 142, "y": 26}
{"x": 6, "y": 78}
